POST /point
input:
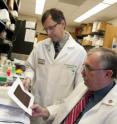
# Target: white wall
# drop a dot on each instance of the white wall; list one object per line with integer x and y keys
{"x": 113, "y": 22}
{"x": 39, "y": 25}
{"x": 29, "y": 18}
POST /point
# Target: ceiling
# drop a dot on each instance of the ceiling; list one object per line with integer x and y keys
{"x": 71, "y": 8}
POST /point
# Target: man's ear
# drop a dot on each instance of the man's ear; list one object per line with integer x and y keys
{"x": 63, "y": 23}
{"x": 109, "y": 73}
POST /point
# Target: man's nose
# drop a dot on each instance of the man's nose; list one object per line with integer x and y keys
{"x": 48, "y": 32}
{"x": 83, "y": 73}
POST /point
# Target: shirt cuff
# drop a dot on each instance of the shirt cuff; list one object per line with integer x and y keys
{"x": 29, "y": 74}
{"x": 53, "y": 111}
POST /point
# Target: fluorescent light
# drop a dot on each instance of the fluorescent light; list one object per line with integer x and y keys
{"x": 99, "y": 7}
{"x": 92, "y": 11}
{"x": 109, "y": 1}
{"x": 39, "y": 6}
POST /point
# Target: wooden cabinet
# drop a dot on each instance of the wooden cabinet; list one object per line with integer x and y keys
{"x": 111, "y": 31}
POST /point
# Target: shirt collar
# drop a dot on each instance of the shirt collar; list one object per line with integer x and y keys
{"x": 102, "y": 92}
{"x": 62, "y": 42}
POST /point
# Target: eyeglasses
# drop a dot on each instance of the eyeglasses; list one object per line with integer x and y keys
{"x": 88, "y": 68}
{"x": 50, "y": 28}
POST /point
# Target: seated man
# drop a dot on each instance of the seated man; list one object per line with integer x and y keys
{"x": 99, "y": 73}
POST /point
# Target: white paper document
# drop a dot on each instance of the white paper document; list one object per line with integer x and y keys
{"x": 30, "y": 24}
{"x": 29, "y": 35}
{"x": 20, "y": 96}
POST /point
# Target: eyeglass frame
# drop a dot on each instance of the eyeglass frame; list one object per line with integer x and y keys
{"x": 88, "y": 68}
{"x": 50, "y": 28}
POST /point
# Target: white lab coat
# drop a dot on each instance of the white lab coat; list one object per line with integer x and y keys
{"x": 105, "y": 112}
{"x": 55, "y": 79}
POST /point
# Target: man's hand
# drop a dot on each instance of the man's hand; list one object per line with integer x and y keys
{"x": 27, "y": 83}
{"x": 39, "y": 111}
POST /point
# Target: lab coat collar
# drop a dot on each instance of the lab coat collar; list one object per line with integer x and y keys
{"x": 69, "y": 46}
{"x": 111, "y": 98}
{"x": 49, "y": 49}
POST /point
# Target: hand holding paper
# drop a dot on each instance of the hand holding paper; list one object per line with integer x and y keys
{"x": 20, "y": 96}
{"x": 39, "y": 111}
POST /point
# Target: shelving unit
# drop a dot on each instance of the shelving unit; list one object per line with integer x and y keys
{"x": 107, "y": 34}
{"x": 87, "y": 40}
{"x": 6, "y": 47}
{"x": 100, "y": 33}
{"x": 16, "y": 5}
{"x": 3, "y": 5}
{"x": 2, "y": 26}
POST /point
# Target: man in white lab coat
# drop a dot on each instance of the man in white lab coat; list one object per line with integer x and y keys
{"x": 54, "y": 76}
{"x": 100, "y": 72}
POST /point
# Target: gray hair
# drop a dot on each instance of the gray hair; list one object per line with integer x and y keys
{"x": 108, "y": 58}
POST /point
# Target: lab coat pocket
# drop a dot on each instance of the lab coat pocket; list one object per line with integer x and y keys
{"x": 62, "y": 74}
{"x": 69, "y": 72}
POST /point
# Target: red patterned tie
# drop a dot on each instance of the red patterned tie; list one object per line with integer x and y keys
{"x": 78, "y": 108}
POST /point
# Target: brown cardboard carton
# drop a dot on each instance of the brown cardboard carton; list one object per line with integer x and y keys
{"x": 101, "y": 26}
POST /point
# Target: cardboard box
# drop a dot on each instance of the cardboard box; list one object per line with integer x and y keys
{"x": 89, "y": 28}
{"x": 101, "y": 26}
{"x": 86, "y": 43}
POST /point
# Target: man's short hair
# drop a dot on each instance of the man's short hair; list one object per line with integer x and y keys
{"x": 108, "y": 59}
{"x": 56, "y": 14}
